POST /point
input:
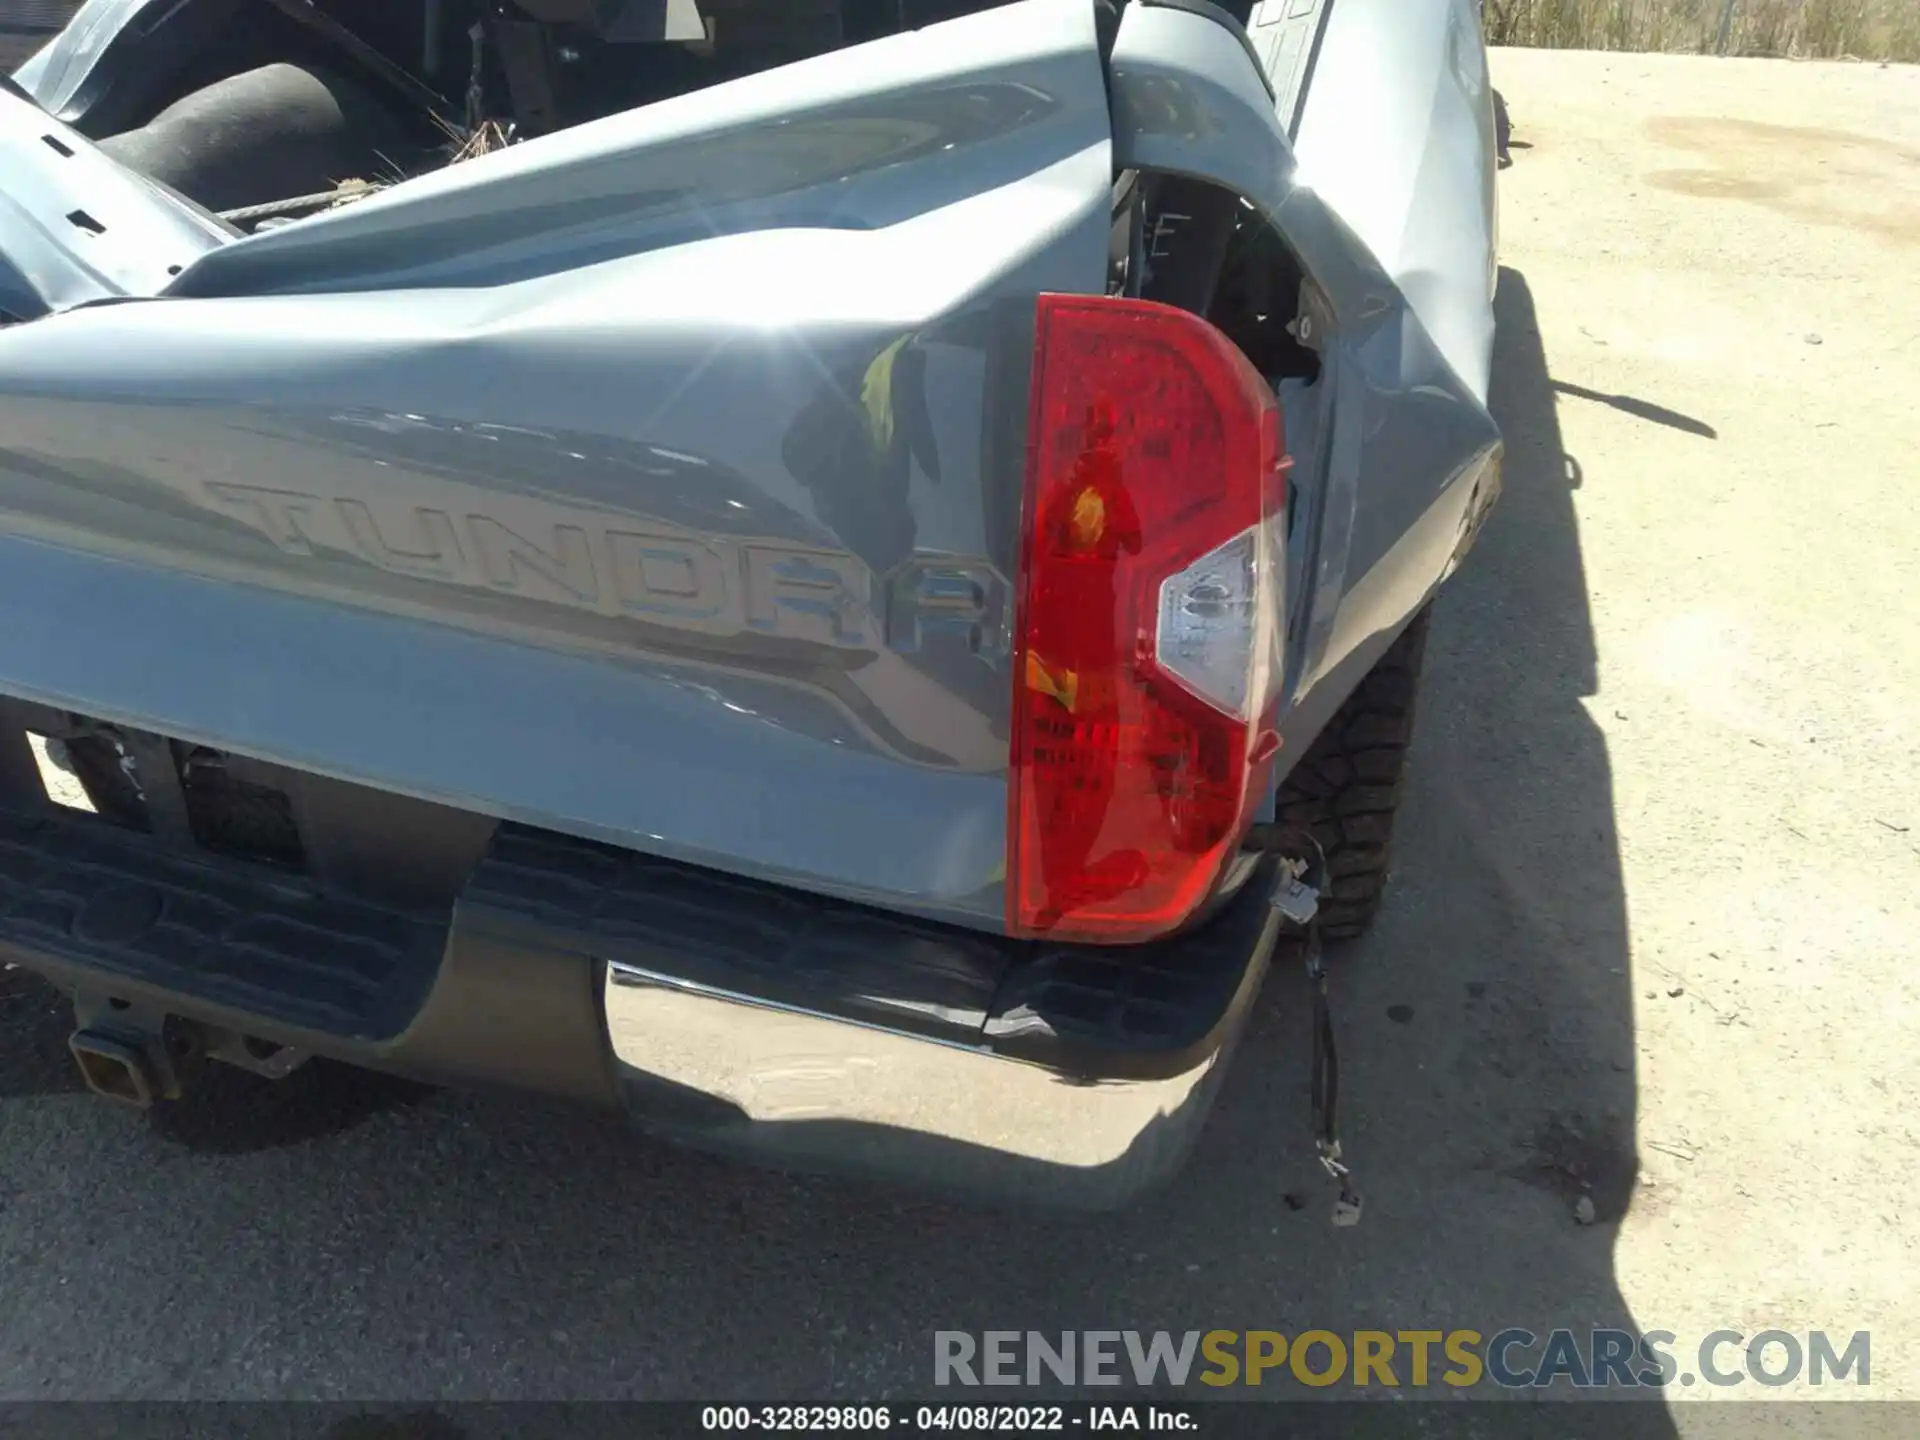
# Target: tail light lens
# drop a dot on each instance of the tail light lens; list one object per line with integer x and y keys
{"x": 1148, "y": 644}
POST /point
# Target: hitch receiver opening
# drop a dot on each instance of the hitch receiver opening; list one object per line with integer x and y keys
{"x": 116, "y": 1067}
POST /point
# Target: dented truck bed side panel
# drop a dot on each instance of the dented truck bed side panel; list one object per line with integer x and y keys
{"x": 1396, "y": 188}
{"x": 1386, "y": 197}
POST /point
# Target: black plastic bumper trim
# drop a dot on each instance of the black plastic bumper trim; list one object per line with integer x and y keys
{"x": 510, "y": 992}
{"x": 1124, "y": 1012}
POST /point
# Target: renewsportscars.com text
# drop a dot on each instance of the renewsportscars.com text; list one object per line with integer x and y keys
{"x": 1511, "y": 1359}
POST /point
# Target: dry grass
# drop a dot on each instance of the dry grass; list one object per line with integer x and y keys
{"x": 1808, "y": 29}
{"x": 488, "y": 137}
{"x": 461, "y": 145}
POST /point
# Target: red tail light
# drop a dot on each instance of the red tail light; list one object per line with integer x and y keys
{"x": 1148, "y": 647}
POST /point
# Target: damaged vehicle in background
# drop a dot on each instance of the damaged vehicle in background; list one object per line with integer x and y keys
{"x": 830, "y": 574}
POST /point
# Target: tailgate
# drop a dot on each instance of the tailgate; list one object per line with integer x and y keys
{"x": 656, "y": 481}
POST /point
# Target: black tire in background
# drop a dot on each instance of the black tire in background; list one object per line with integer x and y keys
{"x": 270, "y": 134}
{"x": 1347, "y": 787}
{"x": 26, "y": 25}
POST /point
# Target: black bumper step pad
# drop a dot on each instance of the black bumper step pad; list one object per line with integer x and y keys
{"x": 79, "y": 894}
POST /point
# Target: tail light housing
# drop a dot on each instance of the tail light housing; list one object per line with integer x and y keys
{"x": 1147, "y": 654}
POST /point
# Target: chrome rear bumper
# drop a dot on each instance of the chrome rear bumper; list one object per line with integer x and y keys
{"x": 1051, "y": 1093}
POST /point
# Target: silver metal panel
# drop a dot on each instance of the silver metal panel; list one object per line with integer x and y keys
{"x": 76, "y": 227}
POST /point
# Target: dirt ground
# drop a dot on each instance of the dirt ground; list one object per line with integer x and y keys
{"x": 1720, "y": 264}
{"x": 1655, "y": 939}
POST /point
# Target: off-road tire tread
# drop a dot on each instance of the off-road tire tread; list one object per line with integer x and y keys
{"x": 1347, "y": 787}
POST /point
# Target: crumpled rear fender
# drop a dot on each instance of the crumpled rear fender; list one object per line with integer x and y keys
{"x": 1385, "y": 197}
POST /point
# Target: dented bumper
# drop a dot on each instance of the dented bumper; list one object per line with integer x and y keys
{"x": 720, "y": 1013}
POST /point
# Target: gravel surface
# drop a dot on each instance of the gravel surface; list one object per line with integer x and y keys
{"x": 1653, "y": 940}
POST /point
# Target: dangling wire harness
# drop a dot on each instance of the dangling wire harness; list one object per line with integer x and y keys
{"x": 1302, "y": 881}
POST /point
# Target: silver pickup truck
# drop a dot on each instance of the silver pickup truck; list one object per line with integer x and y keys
{"x": 787, "y": 566}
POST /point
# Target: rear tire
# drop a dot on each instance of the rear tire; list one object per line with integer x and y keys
{"x": 1347, "y": 787}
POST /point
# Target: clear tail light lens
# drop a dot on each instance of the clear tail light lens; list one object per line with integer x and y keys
{"x": 1148, "y": 642}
